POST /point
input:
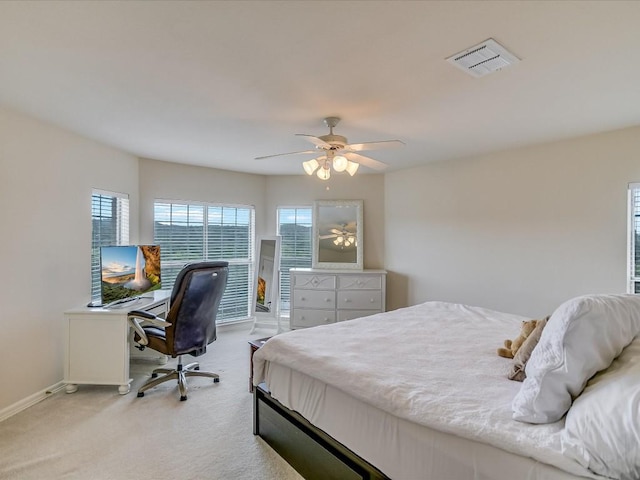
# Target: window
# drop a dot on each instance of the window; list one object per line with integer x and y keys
{"x": 193, "y": 232}
{"x": 294, "y": 227}
{"x": 634, "y": 238}
{"x": 110, "y": 226}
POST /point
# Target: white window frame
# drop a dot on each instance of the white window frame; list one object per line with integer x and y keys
{"x": 234, "y": 298}
{"x": 120, "y": 217}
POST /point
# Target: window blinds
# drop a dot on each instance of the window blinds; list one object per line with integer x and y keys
{"x": 110, "y": 226}
{"x": 294, "y": 227}
{"x": 634, "y": 238}
{"x": 192, "y": 232}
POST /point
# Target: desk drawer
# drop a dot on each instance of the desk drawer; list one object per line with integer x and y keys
{"x": 360, "y": 300}
{"x": 158, "y": 310}
{"x": 310, "y": 318}
{"x": 325, "y": 299}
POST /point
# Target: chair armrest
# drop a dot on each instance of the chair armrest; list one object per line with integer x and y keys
{"x": 136, "y": 316}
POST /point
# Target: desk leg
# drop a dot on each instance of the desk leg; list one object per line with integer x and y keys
{"x": 71, "y": 388}
{"x": 124, "y": 389}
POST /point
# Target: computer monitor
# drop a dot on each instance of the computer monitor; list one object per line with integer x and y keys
{"x": 128, "y": 272}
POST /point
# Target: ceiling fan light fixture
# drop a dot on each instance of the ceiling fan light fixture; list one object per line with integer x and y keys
{"x": 337, "y": 154}
{"x": 310, "y": 166}
{"x": 340, "y": 163}
{"x": 352, "y": 168}
{"x": 324, "y": 173}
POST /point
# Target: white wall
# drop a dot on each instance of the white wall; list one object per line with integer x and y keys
{"x": 518, "y": 231}
{"x": 46, "y": 178}
{"x": 297, "y": 190}
{"x": 172, "y": 181}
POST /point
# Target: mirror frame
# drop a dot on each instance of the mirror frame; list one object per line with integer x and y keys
{"x": 274, "y": 292}
{"x": 315, "y": 263}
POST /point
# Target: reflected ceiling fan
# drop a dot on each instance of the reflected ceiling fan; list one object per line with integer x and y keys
{"x": 343, "y": 235}
{"x": 338, "y": 153}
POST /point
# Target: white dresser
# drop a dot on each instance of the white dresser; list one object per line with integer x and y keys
{"x": 327, "y": 296}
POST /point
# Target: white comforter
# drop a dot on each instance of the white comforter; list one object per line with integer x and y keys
{"x": 433, "y": 364}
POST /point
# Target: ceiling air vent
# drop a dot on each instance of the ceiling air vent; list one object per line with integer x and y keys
{"x": 482, "y": 59}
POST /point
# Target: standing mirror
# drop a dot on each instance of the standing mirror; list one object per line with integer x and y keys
{"x": 265, "y": 282}
{"x": 337, "y": 234}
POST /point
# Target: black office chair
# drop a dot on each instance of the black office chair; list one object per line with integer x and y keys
{"x": 190, "y": 324}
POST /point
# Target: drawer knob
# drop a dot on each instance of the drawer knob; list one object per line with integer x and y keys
{"x": 327, "y": 299}
{"x": 347, "y": 300}
{"x": 371, "y": 300}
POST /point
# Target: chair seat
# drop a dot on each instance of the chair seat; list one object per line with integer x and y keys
{"x": 157, "y": 339}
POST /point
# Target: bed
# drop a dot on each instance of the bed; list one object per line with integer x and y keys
{"x": 419, "y": 393}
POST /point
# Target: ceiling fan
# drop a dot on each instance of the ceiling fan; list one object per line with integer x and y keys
{"x": 338, "y": 153}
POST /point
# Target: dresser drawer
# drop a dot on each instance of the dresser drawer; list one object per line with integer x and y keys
{"x": 314, "y": 282}
{"x": 310, "y": 318}
{"x": 360, "y": 300}
{"x": 351, "y": 314}
{"x": 314, "y": 299}
{"x": 359, "y": 282}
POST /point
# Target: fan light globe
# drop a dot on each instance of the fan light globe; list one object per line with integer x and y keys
{"x": 310, "y": 166}
{"x": 340, "y": 163}
{"x": 324, "y": 173}
{"x": 352, "y": 168}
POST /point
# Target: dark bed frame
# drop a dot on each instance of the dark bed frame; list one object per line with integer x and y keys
{"x": 313, "y": 453}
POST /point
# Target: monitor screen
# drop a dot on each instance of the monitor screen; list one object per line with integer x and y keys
{"x": 127, "y": 272}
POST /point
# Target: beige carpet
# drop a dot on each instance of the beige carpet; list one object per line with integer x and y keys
{"x": 97, "y": 434}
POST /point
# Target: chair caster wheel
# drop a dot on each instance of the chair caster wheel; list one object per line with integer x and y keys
{"x": 183, "y": 398}
{"x": 216, "y": 380}
{"x": 154, "y": 375}
{"x": 140, "y": 394}
{"x": 197, "y": 367}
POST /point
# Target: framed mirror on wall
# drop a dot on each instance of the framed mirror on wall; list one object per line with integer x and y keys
{"x": 265, "y": 283}
{"x": 337, "y": 234}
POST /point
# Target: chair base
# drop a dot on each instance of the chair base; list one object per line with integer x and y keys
{"x": 180, "y": 374}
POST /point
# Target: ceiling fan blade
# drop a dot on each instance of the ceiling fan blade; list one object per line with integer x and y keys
{"x": 358, "y": 147}
{"x": 318, "y": 142}
{"x": 282, "y": 154}
{"x": 366, "y": 161}
{"x": 324, "y": 237}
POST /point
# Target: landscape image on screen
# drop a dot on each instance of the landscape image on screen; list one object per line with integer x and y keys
{"x": 128, "y": 271}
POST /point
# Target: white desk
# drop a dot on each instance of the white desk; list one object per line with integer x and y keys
{"x": 98, "y": 342}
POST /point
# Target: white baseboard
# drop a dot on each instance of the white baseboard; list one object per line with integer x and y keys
{"x": 29, "y": 401}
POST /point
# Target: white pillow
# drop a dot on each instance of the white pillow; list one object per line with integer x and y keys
{"x": 602, "y": 428}
{"x": 582, "y": 337}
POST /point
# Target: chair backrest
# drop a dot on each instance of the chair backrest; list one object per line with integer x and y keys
{"x": 195, "y": 300}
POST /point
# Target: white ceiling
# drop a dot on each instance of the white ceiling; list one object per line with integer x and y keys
{"x": 217, "y": 83}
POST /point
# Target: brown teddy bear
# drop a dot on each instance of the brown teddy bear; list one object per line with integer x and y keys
{"x": 512, "y": 346}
